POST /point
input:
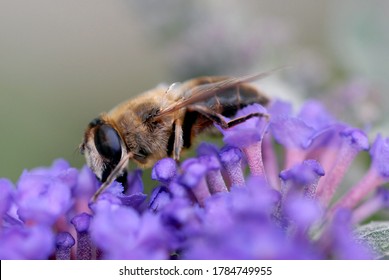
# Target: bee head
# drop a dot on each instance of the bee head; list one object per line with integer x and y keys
{"x": 102, "y": 147}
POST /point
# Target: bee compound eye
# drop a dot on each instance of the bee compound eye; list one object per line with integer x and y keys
{"x": 108, "y": 143}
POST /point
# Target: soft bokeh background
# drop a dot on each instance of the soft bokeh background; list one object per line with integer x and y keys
{"x": 64, "y": 62}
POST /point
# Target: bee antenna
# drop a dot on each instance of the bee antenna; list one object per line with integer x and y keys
{"x": 114, "y": 174}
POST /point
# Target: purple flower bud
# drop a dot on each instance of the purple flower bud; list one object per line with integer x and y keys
{"x": 207, "y": 149}
{"x": 193, "y": 174}
{"x": 81, "y": 223}
{"x": 302, "y": 178}
{"x": 193, "y": 178}
{"x": 64, "y": 242}
{"x": 164, "y": 170}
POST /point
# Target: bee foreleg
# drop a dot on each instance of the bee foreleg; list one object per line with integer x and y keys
{"x": 219, "y": 119}
{"x": 178, "y": 140}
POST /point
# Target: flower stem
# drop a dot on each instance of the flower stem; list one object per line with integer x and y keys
{"x": 254, "y": 159}
{"x": 368, "y": 183}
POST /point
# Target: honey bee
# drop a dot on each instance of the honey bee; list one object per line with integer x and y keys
{"x": 162, "y": 122}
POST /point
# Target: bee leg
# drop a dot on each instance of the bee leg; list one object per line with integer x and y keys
{"x": 178, "y": 140}
{"x": 219, "y": 119}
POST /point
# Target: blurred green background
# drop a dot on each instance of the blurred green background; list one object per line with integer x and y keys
{"x": 64, "y": 62}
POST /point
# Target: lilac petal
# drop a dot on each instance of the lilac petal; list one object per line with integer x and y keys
{"x": 258, "y": 198}
{"x": 6, "y": 195}
{"x": 380, "y": 155}
{"x": 280, "y": 108}
{"x": 164, "y": 170}
{"x": 250, "y": 131}
{"x": 134, "y": 182}
{"x": 302, "y": 178}
{"x": 193, "y": 174}
{"x": 149, "y": 244}
{"x": 41, "y": 198}
{"x": 105, "y": 198}
{"x": 87, "y": 184}
{"x": 315, "y": 115}
{"x": 159, "y": 198}
{"x": 26, "y": 243}
{"x": 113, "y": 228}
{"x": 60, "y": 170}
{"x": 122, "y": 233}
{"x": 68, "y": 176}
{"x": 64, "y": 242}
{"x": 302, "y": 212}
{"x": 207, "y": 149}
{"x": 180, "y": 191}
{"x": 81, "y": 223}
{"x": 135, "y": 200}
{"x": 115, "y": 189}
{"x": 292, "y": 132}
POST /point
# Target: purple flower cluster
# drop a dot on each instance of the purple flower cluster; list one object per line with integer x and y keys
{"x": 269, "y": 193}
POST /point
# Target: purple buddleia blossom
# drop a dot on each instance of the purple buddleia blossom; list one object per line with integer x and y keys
{"x": 245, "y": 200}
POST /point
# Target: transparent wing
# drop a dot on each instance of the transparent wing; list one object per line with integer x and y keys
{"x": 203, "y": 92}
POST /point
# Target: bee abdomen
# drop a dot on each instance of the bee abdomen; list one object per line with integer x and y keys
{"x": 228, "y": 101}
